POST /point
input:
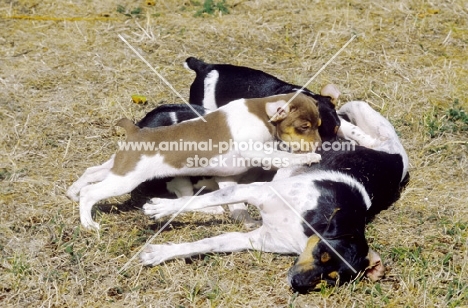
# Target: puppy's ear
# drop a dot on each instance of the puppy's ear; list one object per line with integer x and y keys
{"x": 375, "y": 270}
{"x": 332, "y": 91}
{"x": 277, "y": 111}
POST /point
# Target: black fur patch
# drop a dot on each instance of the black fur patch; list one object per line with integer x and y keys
{"x": 379, "y": 172}
{"x": 340, "y": 211}
{"x": 237, "y": 82}
{"x": 161, "y": 115}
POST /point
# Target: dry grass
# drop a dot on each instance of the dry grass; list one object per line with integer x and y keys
{"x": 64, "y": 83}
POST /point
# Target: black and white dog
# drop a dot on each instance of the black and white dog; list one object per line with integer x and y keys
{"x": 318, "y": 212}
{"x": 218, "y": 84}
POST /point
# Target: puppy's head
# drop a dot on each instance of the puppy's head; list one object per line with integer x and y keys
{"x": 296, "y": 122}
{"x": 341, "y": 251}
{"x": 319, "y": 264}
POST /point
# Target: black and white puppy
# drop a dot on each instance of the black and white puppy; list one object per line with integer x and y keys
{"x": 318, "y": 212}
{"x": 217, "y": 84}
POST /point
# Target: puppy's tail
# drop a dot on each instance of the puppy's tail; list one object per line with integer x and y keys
{"x": 195, "y": 64}
{"x": 128, "y": 125}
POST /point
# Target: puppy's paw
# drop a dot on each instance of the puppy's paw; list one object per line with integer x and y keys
{"x": 159, "y": 207}
{"x": 155, "y": 254}
{"x": 313, "y": 158}
{"x": 307, "y": 159}
{"x": 73, "y": 193}
{"x": 89, "y": 223}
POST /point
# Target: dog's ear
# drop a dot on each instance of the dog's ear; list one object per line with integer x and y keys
{"x": 332, "y": 91}
{"x": 375, "y": 270}
{"x": 277, "y": 111}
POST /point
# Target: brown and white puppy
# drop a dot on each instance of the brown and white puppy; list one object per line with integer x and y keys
{"x": 243, "y": 121}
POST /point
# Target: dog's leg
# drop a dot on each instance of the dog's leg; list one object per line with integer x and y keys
{"x": 91, "y": 175}
{"x": 270, "y": 237}
{"x": 251, "y": 193}
{"x": 352, "y": 132}
{"x": 238, "y": 210}
{"x": 229, "y": 242}
{"x": 112, "y": 186}
{"x": 377, "y": 127}
{"x": 182, "y": 187}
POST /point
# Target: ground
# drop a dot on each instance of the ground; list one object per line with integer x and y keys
{"x": 66, "y": 78}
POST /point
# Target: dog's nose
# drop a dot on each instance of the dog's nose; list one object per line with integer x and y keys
{"x": 300, "y": 285}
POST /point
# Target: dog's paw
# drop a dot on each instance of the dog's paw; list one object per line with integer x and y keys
{"x": 313, "y": 158}
{"x": 73, "y": 193}
{"x": 89, "y": 223}
{"x": 155, "y": 254}
{"x": 159, "y": 207}
{"x": 307, "y": 159}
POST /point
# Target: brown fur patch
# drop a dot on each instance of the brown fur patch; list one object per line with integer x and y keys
{"x": 215, "y": 128}
{"x": 306, "y": 259}
{"x": 302, "y": 122}
{"x": 325, "y": 257}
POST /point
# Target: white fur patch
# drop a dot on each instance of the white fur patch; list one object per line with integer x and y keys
{"x": 343, "y": 178}
{"x": 243, "y": 124}
{"x": 209, "y": 101}
{"x": 173, "y": 117}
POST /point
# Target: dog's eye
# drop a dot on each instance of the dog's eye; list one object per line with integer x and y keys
{"x": 305, "y": 126}
{"x": 325, "y": 257}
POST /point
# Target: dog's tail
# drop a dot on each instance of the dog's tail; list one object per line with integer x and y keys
{"x": 195, "y": 64}
{"x": 128, "y": 125}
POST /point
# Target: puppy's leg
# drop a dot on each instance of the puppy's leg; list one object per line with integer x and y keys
{"x": 91, "y": 175}
{"x": 253, "y": 193}
{"x": 257, "y": 239}
{"x": 113, "y": 185}
{"x": 373, "y": 124}
{"x": 182, "y": 187}
{"x": 352, "y": 132}
{"x": 238, "y": 210}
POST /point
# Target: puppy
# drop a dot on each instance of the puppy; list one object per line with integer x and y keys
{"x": 217, "y": 84}
{"x": 146, "y": 155}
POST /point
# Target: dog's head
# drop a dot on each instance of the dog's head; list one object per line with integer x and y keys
{"x": 296, "y": 121}
{"x": 320, "y": 264}
{"x": 341, "y": 251}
